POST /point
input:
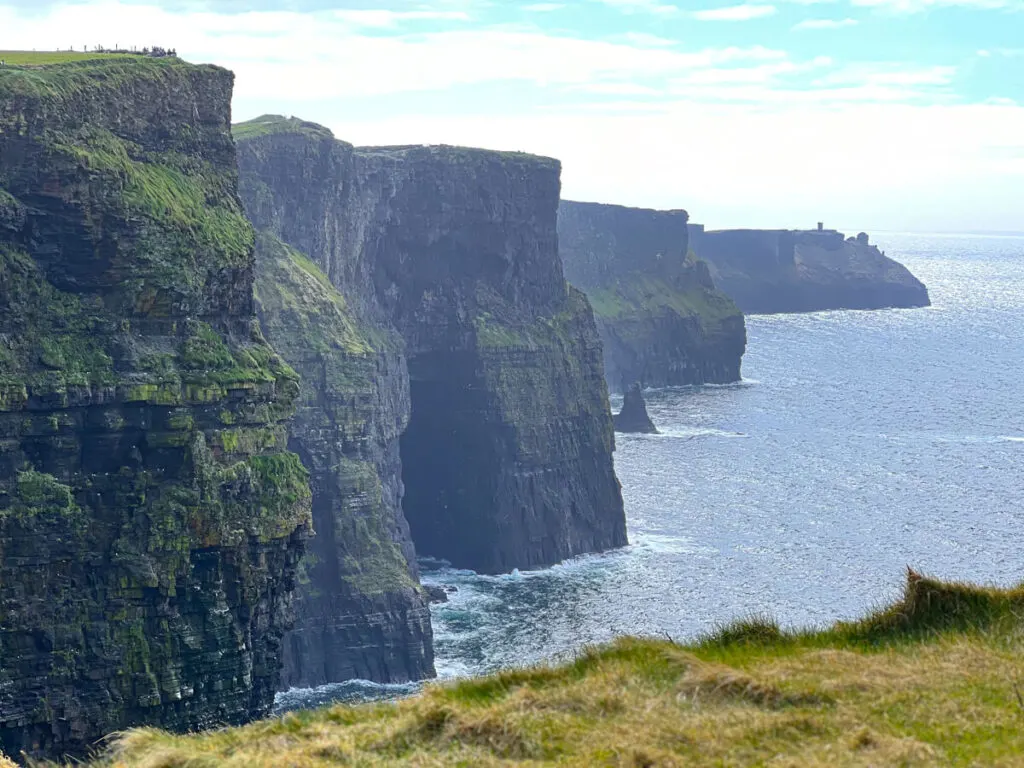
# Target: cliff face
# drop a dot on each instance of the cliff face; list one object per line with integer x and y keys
{"x": 662, "y": 320}
{"x": 361, "y": 613}
{"x": 769, "y": 271}
{"x": 151, "y": 520}
{"x": 507, "y": 457}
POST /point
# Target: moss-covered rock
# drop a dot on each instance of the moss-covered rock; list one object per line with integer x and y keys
{"x": 661, "y": 318}
{"x": 361, "y": 613}
{"x": 147, "y": 554}
{"x": 507, "y": 460}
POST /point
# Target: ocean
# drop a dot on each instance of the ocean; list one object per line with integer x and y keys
{"x": 858, "y": 444}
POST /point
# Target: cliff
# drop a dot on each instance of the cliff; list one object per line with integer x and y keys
{"x": 771, "y": 271}
{"x": 662, "y": 320}
{"x": 360, "y": 613}
{"x": 151, "y": 520}
{"x": 507, "y": 459}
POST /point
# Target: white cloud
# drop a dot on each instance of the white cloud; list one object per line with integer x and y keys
{"x": 645, "y": 40}
{"x": 917, "y": 6}
{"x": 744, "y": 12}
{"x": 391, "y": 18}
{"x": 889, "y": 75}
{"x": 641, "y": 6}
{"x": 543, "y": 7}
{"x": 826, "y": 23}
{"x": 734, "y": 134}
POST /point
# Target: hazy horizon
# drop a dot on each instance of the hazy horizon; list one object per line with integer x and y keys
{"x": 898, "y": 115}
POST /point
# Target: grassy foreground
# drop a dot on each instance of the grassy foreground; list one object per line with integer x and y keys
{"x": 936, "y": 679}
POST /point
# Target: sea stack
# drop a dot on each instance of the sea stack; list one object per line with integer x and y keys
{"x": 151, "y": 516}
{"x": 633, "y": 417}
{"x": 662, "y": 320}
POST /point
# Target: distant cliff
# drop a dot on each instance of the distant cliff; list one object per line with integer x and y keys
{"x": 506, "y": 460}
{"x": 661, "y": 319}
{"x": 769, "y": 271}
{"x": 151, "y": 520}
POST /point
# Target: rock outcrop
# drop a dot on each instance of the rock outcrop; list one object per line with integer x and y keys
{"x": 361, "y": 613}
{"x": 771, "y": 271}
{"x": 661, "y": 318}
{"x": 633, "y": 418}
{"x": 151, "y": 519}
{"x": 507, "y": 459}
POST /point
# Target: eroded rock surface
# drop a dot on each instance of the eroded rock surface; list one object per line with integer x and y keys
{"x": 151, "y": 519}
{"x": 661, "y": 318}
{"x": 361, "y": 613}
{"x": 771, "y": 271}
{"x": 506, "y": 461}
{"x": 633, "y": 418}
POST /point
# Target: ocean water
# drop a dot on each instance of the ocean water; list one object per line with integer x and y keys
{"x": 859, "y": 443}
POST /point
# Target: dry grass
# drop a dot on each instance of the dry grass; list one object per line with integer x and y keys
{"x": 930, "y": 681}
{"x": 42, "y": 58}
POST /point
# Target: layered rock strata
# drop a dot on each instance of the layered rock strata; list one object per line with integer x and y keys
{"x": 771, "y": 271}
{"x": 361, "y": 612}
{"x": 151, "y": 518}
{"x": 661, "y": 318}
{"x": 507, "y": 457}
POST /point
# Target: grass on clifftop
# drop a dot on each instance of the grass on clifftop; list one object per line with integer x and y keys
{"x": 43, "y": 58}
{"x": 267, "y": 125}
{"x": 936, "y": 679}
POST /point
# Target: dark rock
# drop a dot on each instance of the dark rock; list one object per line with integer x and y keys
{"x": 507, "y": 458}
{"x": 662, "y": 320}
{"x": 361, "y": 613}
{"x": 151, "y": 520}
{"x": 633, "y": 416}
{"x": 437, "y": 594}
{"x": 770, "y": 271}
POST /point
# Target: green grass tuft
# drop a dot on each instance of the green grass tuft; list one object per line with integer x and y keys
{"x": 941, "y": 689}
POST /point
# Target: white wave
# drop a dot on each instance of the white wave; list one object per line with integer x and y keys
{"x": 688, "y": 433}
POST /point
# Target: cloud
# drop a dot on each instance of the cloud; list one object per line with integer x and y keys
{"x": 543, "y": 7}
{"x": 645, "y": 40}
{"x": 391, "y": 18}
{"x": 918, "y": 6}
{"x": 893, "y": 74}
{"x": 641, "y": 6}
{"x": 735, "y": 13}
{"x": 826, "y": 24}
{"x": 740, "y": 135}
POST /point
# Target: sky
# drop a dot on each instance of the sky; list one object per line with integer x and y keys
{"x": 865, "y": 114}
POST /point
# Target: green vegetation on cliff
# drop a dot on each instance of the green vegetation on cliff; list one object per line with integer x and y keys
{"x": 931, "y": 680}
{"x": 638, "y": 296}
{"x": 266, "y": 125}
{"x": 43, "y": 58}
{"x": 311, "y": 324}
{"x": 150, "y": 519}
{"x": 57, "y": 339}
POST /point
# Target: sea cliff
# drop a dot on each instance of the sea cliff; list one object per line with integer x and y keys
{"x": 662, "y": 320}
{"x": 446, "y": 261}
{"x": 361, "y": 613}
{"x": 151, "y": 518}
{"x": 773, "y": 271}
